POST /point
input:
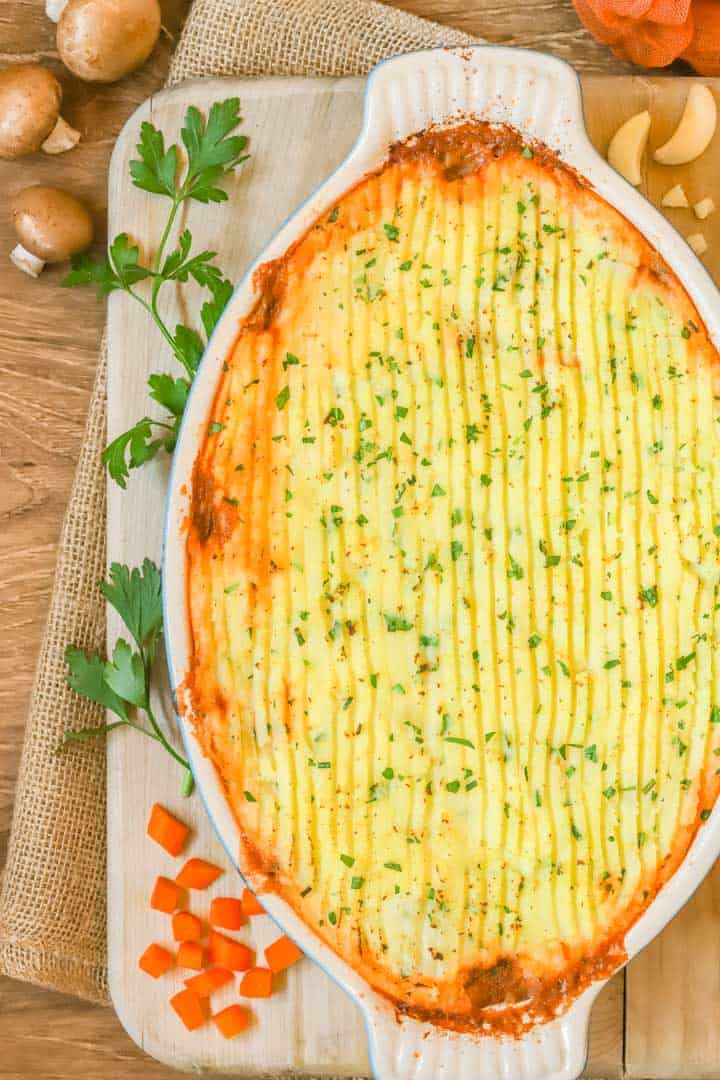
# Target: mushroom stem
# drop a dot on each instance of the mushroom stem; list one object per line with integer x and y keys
{"x": 54, "y": 9}
{"x": 26, "y": 261}
{"x": 61, "y": 138}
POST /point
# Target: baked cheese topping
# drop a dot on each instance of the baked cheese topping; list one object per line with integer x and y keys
{"x": 453, "y": 575}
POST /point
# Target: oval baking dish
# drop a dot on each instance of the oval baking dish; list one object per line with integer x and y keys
{"x": 539, "y": 97}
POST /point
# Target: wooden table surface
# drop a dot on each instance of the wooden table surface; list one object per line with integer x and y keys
{"x": 49, "y": 346}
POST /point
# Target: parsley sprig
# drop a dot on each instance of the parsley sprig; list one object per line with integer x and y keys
{"x": 211, "y": 153}
{"x": 122, "y": 684}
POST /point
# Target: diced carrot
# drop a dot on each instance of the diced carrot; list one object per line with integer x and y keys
{"x": 198, "y": 874}
{"x": 166, "y": 830}
{"x": 282, "y": 953}
{"x": 203, "y": 985}
{"x": 226, "y": 913}
{"x": 257, "y": 983}
{"x": 186, "y": 926}
{"x": 189, "y": 1008}
{"x": 231, "y": 1021}
{"x": 190, "y": 955}
{"x": 250, "y": 904}
{"x": 165, "y": 895}
{"x": 155, "y": 961}
{"x": 229, "y": 953}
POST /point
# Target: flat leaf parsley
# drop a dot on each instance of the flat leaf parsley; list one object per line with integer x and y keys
{"x": 211, "y": 153}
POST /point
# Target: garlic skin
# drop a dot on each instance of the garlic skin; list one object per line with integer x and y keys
{"x": 704, "y": 208}
{"x": 676, "y": 198}
{"x": 627, "y": 146}
{"x": 698, "y": 243}
{"x": 695, "y": 130}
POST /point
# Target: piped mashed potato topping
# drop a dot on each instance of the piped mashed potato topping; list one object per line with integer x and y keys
{"x": 453, "y": 574}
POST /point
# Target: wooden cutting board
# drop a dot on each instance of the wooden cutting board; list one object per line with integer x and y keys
{"x": 658, "y": 1020}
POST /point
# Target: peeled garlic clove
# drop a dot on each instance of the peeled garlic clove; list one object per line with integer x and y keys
{"x": 675, "y": 197}
{"x": 698, "y": 243}
{"x": 627, "y": 146}
{"x": 704, "y": 208}
{"x": 695, "y": 130}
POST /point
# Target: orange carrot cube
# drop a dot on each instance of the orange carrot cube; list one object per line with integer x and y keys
{"x": 166, "y": 830}
{"x": 198, "y": 874}
{"x": 257, "y": 983}
{"x": 227, "y": 913}
{"x": 190, "y": 955}
{"x": 250, "y": 904}
{"x": 165, "y": 895}
{"x": 155, "y": 961}
{"x": 231, "y": 1021}
{"x": 189, "y": 1008}
{"x": 186, "y": 926}
{"x": 228, "y": 953}
{"x": 204, "y": 984}
{"x": 282, "y": 953}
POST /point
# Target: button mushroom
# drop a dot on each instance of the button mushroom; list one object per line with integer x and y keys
{"x": 102, "y": 40}
{"x": 51, "y": 225}
{"x": 30, "y": 120}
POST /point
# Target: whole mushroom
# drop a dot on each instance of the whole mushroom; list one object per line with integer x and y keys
{"x": 30, "y": 98}
{"x": 103, "y": 40}
{"x": 51, "y": 225}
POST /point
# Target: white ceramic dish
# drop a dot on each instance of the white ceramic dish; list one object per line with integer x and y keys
{"x": 540, "y": 96}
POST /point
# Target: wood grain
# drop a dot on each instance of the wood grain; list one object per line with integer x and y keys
{"x": 49, "y": 351}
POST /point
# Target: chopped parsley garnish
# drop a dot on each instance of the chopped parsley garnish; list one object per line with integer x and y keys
{"x": 516, "y": 571}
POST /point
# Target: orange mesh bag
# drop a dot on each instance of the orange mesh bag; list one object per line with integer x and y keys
{"x": 650, "y": 33}
{"x": 703, "y": 52}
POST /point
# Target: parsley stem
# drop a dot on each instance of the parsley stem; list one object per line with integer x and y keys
{"x": 166, "y": 233}
{"x": 158, "y": 731}
{"x": 151, "y": 716}
{"x": 159, "y": 735}
{"x": 155, "y": 316}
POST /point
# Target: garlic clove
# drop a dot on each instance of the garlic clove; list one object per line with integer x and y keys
{"x": 627, "y": 146}
{"x": 698, "y": 243}
{"x": 675, "y": 197}
{"x": 26, "y": 261}
{"x": 695, "y": 130}
{"x": 61, "y": 138}
{"x": 704, "y": 208}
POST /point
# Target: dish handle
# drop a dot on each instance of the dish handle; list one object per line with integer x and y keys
{"x": 406, "y": 1049}
{"x": 536, "y": 93}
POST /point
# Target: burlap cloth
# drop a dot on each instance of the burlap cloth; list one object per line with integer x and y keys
{"x": 52, "y": 903}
